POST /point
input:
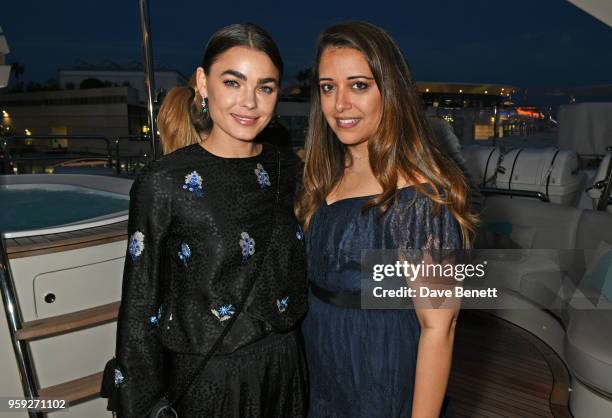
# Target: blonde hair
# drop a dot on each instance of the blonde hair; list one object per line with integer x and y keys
{"x": 174, "y": 121}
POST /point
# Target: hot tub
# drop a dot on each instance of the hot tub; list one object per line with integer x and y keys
{"x": 66, "y": 239}
{"x": 37, "y": 204}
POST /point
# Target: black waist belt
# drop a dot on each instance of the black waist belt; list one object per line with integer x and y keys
{"x": 343, "y": 300}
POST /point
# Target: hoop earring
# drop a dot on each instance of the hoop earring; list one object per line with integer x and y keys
{"x": 204, "y": 109}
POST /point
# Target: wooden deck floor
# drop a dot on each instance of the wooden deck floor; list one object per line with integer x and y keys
{"x": 50, "y": 243}
{"x": 501, "y": 370}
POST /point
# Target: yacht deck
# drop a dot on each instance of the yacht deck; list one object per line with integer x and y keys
{"x": 501, "y": 370}
{"x": 50, "y": 243}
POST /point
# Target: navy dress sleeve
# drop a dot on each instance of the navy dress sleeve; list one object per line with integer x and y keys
{"x": 140, "y": 372}
{"x": 443, "y": 231}
{"x": 416, "y": 222}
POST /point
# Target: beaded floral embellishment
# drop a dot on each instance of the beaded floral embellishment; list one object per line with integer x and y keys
{"x": 282, "y": 304}
{"x": 262, "y": 176}
{"x": 184, "y": 253}
{"x": 136, "y": 245}
{"x": 154, "y": 319}
{"x": 299, "y": 234}
{"x": 224, "y": 312}
{"x": 119, "y": 379}
{"x": 193, "y": 183}
{"x": 248, "y": 246}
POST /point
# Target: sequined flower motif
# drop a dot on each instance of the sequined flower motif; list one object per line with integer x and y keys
{"x": 154, "y": 319}
{"x": 224, "y": 312}
{"x": 262, "y": 176}
{"x": 248, "y": 245}
{"x": 119, "y": 379}
{"x": 282, "y": 304}
{"x": 184, "y": 253}
{"x": 193, "y": 183}
{"x": 299, "y": 234}
{"x": 136, "y": 245}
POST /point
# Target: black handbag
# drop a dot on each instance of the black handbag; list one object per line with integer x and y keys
{"x": 108, "y": 389}
{"x": 164, "y": 407}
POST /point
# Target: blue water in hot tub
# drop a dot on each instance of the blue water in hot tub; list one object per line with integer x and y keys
{"x": 33, "y": 206}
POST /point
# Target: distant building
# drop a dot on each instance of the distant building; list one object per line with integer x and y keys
{"x": 479, "y": 111}
{"x": 110, "y": 74}
{"x": 5, "y": 70}
{"x": 465, "y": 95}
{"x": 106, "y": 101}
{"x": 108, "y": 113}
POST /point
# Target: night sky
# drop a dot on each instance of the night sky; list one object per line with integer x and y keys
{"x": 527, "y": 43}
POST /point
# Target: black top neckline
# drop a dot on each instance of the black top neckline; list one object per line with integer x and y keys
{"x": 263, "y": 152}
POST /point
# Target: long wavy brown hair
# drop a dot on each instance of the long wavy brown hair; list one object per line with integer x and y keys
{"x": 404, "y": 147}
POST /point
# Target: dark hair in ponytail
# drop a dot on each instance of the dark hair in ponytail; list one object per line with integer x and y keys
{"x": 181, "y": 121}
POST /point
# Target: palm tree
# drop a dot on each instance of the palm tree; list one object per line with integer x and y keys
{"x": 304, "y": 78}
{"x": 18, "y": 70}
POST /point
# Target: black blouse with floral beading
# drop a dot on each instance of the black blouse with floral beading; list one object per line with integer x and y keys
{"x": 199, "y": 226}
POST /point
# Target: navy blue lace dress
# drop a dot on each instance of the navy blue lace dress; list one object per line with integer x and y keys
{"x": 362, "y": 362}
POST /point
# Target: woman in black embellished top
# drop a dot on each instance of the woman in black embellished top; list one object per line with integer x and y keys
{"x": 215, "y": 263}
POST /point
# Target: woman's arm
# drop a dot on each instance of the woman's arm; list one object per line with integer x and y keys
{"x": 140, "y": 376}
{"x": 433, "y": 360}
{"x": 437, "y": 317}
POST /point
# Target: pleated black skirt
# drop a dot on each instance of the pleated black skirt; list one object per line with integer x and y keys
{"x": 266, "y": 379}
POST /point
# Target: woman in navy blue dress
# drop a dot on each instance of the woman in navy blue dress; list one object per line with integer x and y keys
{"x": 374, "y": 179}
